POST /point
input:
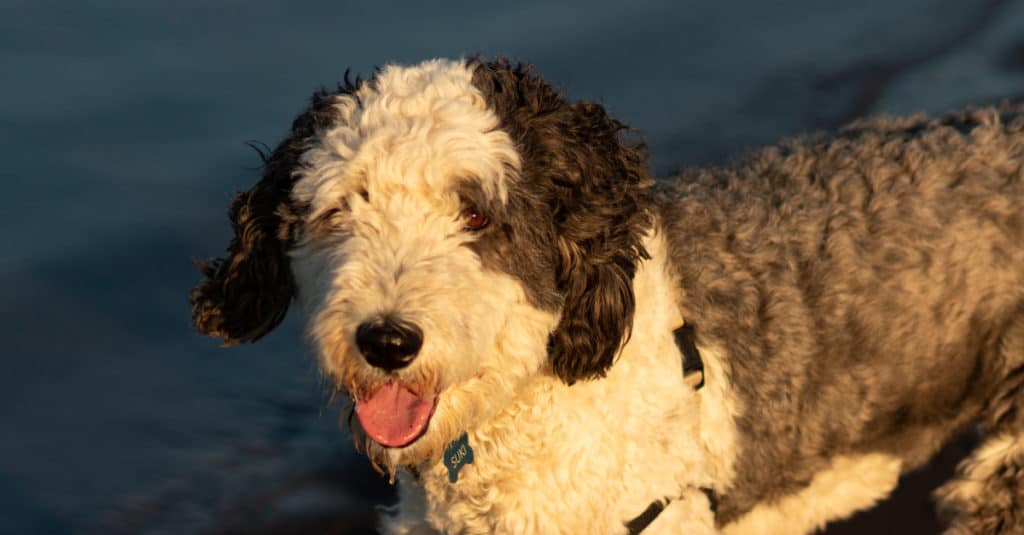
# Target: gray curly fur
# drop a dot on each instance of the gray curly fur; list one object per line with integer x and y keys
{"x": 868, "y": 289}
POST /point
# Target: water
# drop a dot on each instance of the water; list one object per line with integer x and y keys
{"x": 122, "y": 126}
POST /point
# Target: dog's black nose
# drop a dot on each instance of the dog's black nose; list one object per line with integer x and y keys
{"x": 388, "y": 344}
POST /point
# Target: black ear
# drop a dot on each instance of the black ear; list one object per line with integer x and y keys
{"x": 587, "y": 182}
{"x": 600, "y": 222}
{"x": 246, "y": 295}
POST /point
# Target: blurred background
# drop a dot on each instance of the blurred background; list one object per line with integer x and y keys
{"x": 122, "y": 130}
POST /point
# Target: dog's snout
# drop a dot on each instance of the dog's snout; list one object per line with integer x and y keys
{"x": 388, "y": 344}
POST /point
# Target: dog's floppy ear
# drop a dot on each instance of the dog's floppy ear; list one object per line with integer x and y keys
{"x": 600, "y": 222}
{"x": 247, "y": 294}
{"x": 576, "y": 167}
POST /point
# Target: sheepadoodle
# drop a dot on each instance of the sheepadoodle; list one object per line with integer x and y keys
{"x": 536, "y": 337}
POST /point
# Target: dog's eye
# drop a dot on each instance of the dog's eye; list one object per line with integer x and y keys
{"x": 473, "y": 220}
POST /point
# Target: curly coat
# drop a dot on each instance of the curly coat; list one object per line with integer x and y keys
{"x": 857, "y": 299}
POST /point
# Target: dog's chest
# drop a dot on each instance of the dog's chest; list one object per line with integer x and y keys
{"x": 581, "y": 469}
{"x": 582, "y": 458}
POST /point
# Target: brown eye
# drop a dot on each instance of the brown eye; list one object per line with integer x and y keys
{"x": 472, "y": 219}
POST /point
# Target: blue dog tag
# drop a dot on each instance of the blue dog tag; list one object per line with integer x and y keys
{"x": 456, "y": 455}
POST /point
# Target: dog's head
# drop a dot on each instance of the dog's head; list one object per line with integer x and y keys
{"x": 451, "y": 230}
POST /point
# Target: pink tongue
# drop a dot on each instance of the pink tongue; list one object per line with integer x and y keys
{"x": 394, "y": 416}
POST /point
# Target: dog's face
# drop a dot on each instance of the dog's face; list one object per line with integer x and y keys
{"x": 451, "y": 230}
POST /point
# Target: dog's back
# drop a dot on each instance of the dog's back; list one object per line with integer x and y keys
{"x": 868, "y": 287}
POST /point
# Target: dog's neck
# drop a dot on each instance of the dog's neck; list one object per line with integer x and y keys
{"x": 602, "y": 449}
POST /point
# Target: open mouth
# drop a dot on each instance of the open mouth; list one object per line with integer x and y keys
{"x": 394, "y": 416}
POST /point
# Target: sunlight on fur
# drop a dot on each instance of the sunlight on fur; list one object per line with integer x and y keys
{"x": 491, "y": 277}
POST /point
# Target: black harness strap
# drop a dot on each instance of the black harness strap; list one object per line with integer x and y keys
{"x": 686, "y": 340}
{"x": 640, "y": 523}
{"x": 693, "y": 374}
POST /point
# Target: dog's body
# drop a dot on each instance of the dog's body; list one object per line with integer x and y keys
{"x": 487, "y": 269}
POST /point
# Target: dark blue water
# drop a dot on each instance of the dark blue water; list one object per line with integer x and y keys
{"x": 122, "y": 127}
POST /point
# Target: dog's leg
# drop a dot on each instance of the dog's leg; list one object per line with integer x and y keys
{"x": 987, "y": 495}
{"x": 849, "y": 484}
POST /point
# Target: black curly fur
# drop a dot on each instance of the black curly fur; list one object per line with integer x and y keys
{"x": 577, "y": 167}
{"x": 246, "y": 295}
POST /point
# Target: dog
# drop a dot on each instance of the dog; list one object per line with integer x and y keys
{"x": 537, "y": 337}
